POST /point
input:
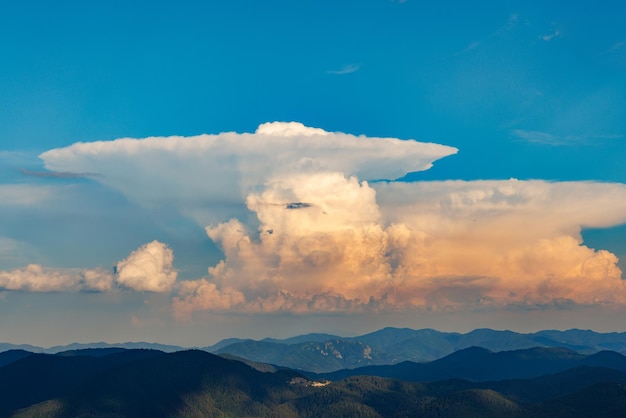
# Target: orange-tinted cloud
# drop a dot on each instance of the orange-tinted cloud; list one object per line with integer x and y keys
{"x": 326, "y": 240}
{"x": 436, "y": 245}
{"x": 147, "y": 269}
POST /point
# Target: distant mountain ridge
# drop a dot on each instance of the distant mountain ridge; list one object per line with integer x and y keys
{"x": 323, "y": 353}
{"x": 395, "y": 345}
{"x": 80, "y": 346}
{"x": 481, "y": 365}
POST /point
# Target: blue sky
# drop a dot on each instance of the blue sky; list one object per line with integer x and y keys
{"x": 532, "y": 91}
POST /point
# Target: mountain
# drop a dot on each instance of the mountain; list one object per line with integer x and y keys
{"x": 585, "y": 339}
{"x": 429, "y": 344}
{"x": 553, "y": 386}
{"x": 313, "y": 337}
{"x": 25, "y": 347}
{"x": 11, "y": 356}
{"x": 602, "y": 399}
{"x": 80, "y": 346}
{"x": 184, "y": 383}
{"x": 195, "y": 383}
{"x": 323, "y": 353}
{"x": 480, "y": 364}
{"x": 311, "y": 356}
{"x": 226, "y": 342}
{"x": 39, "y": 376}
{"x": 395, "y": 345}
{"x": 128, "y": 345}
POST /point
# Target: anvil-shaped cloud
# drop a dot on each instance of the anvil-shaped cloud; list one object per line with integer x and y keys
{"x": 206, "y": 176}
{"x": 322, "y": 238}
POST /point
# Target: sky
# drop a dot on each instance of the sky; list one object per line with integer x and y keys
{"x": 183, "y": 172}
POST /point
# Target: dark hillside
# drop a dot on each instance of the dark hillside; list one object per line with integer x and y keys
{"x": 479, "y": 364}
{"x": 39, "y": 377}
{"x": 11, "y": 356}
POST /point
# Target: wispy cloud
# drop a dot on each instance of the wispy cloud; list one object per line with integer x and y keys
{"x": 510, "y": 24}
{"x": 346, "y": 69}
{"x": 471, "y": 46}
{"x": 549, "y": 36}
{"x": 551, "y": 139}
{"x": 24, "y": 194}
{"x": 539, "y": 137}
{"x": 617, "y": 51}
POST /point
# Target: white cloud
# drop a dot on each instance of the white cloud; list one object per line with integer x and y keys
{"x": 314, "y": 235}
{"x": 148, "y": 269}
{"x": 539, "y": 137}
{"x": 346, "y": 69}
{"x": 24, "y": 194}
{"x": 35, "y": 278}
{"x": 15, "y": 253}
{"x": 549, "y": 36}
{"x": 472, "y": 46}
{"x": 208, "y": 177}
{"x": 551, "y": 139}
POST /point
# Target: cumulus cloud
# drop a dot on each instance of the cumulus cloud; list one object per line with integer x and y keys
{"x": 430, "y": 245}
{"x": 35, "y": 278}
{"x": 314, "y": 233}
{"x": 208, "y": 177}
{"x": 147, "y": 269}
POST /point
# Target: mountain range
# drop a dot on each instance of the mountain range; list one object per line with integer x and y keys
{"x": 194, "y": 383}
{"x": 327, "y": 353}
{"x": 324, "y": 353}
{"x": 479, "y": 365}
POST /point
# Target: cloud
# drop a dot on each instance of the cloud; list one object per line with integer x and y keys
{"x": 472, "y": 46}
{"x": 15, "y": 252}
{"x": 313, "y": 233}
{"x": 549, "y": 36}
{"x": 147, "y": 269}
{"x": 424, "y": 245}
{"x": 346, "y": 69}
{"x": 24, "y": 194}
{"x": 551, "y": 139}
{"x": 35, "y": 278}
{"x": 208, "y": 177}
{"x": 539, "y": 137}
{"x": 511, "y": 24}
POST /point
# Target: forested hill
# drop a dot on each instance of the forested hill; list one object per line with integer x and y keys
{"x": 193, "y": 383}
